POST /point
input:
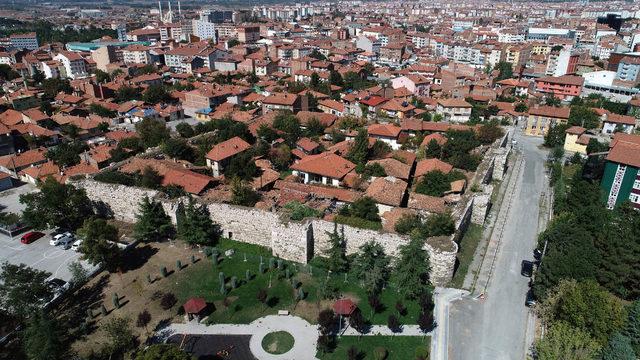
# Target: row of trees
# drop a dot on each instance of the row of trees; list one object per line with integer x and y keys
{"x": 587, "y": 273}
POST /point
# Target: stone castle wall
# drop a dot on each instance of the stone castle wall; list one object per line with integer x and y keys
{"x": 295, "y": 241}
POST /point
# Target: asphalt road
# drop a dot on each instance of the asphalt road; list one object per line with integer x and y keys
{"x": 496, "y": 327}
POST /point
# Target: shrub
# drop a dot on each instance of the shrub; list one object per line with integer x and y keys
{"x": 407, "y": 223}
{"x": 422, "y": 352}
{"x": 298, "y": 211}
{"x": 116, "y": 177}
{"x": 358, "y": 222}
{"x": 168, "y": 300}
{"x": 364, "y": 208}
{"x": 380, "y": 353}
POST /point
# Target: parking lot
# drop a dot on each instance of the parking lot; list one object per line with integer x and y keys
{"x": 39, "y": 254}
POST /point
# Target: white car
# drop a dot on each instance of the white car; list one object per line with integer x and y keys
{"x": 76, "y": 245}
{"x": 61, "y": 239}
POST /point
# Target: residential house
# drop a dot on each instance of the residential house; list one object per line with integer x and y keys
{"x": 576, "y": 140}
{"x": 387, "y": 133}
{"x": 326, "y": 168}
{"x": 612, "y": 123}
{"x": 454, "y": 110}
{"x": 285, "y": 101}
{"x": 542, "y": 118}
{"x": 220, "y": 155}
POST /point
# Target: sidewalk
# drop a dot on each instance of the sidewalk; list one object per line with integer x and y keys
{"x": 488, "y": 261}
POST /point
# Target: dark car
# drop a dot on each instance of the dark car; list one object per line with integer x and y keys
{"x": 527, "y": 268}
{"x": 531, "y": 299}
{"x": 537, "y": 254}
{"x": 30, "y": 237}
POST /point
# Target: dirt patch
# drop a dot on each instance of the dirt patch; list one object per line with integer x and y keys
{"x": 310, "y": 310}
{"x": 134, "y": 292}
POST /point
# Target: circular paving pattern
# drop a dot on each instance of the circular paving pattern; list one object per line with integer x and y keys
{"x": 277, "y": 343}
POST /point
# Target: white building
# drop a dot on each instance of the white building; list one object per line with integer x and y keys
{"x": 27, "y": 41}
{"x": 73, "y": 63}
{"x": 204, "y": 29}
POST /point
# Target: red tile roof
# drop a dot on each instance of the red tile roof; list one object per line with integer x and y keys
{"x": 227, "y": 149}
{"x": 428, "y": 165}
{"x": 326, "y": 164}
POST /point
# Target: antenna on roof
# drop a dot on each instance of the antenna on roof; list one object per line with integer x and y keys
{"x": 160, "y": 9}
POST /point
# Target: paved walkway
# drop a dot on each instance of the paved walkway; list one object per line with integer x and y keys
{"x": 305, "y": 334}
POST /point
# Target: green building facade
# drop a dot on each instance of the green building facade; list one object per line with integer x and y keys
{"x": 620, "y": 183}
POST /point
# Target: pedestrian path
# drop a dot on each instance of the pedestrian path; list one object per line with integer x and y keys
{"x": 305, "y": 334}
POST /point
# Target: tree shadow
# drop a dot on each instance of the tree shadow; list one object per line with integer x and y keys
{"x": 138, "y": 256}
{"x": 273, "y": 301}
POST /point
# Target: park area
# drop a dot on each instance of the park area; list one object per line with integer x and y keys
{"x": 240, "y": 283}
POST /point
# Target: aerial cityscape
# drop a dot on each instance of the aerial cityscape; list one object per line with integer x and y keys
{"x": 278, "y": 180}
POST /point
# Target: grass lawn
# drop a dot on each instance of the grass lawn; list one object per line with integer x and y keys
{"x": 278, "y": 342}
{"x": 241, "y": 305}
{"x": 468, "y": 246}
{"x": 398, "y": 347}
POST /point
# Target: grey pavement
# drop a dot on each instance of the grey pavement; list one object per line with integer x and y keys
{"x": 498, "y": 326}
{"x": 9, "y": 199}
{"x": 39, "y": 254}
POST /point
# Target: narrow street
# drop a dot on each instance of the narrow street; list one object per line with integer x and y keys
{"x": 498, "y": 326}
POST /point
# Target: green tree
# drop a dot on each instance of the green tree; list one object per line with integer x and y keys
{"x": 155, "y": 94}
{"x": 490, "y": 132}
{"x": 102, "y": 76}
{"x": 61, "y": 205}
{"x": 632, "y": 327}
{"x": 196, "y": 226}
{"x": 99, "y": 245}
{"x": 119, "y": 335}
{"x": 38, "y": 76}
{"x": 152, "y": 132}
{"x": 587, "y": 306}
{"x": 364, "y": 208}
{"x": 23, "y": 290}
{"x": 178, "y": 148}
{"x": 583, "y": 116}
{"x": 371, "y": 267}
{"x": 434, "y": 183}
{"x": 288, "y": 126}
{"x": 314, "y": 127}
{"x": 412, "y": 270}
{"x": 505, "y": 70}
{"x": 150, "y": 178}
{"x": 43, "y": 338}
{"x": 127, "y": 93}
{"x": 359, "y": 150}
{"x": 152, "y": 222}
{"x": 336, "y": 252}
{"x": 242, "y": 194}
{"x": 565, "y": 342}
{"x": 54, "y": 86}
{"x": 78, "y": 273}
{"x": 618, "y": 348}
{"x": 163, "y": 352}
{"x": 595, "y": 146}
{"x": 185, "y": 130}
{"x": 242, "y": 166}
{"x": 67, "y": 153}
{"x": 551, "y": 100}
{"x": 555, "y": 135}
{"x": 433, "y": 149}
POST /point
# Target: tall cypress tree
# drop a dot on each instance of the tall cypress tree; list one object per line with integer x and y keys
{"x": 412, "y": 270}
{"x": 336, "y": 253}
{"x": 153, "y": 223}
{"x": 360, "y": 149}
{"x": 195, "y": 225}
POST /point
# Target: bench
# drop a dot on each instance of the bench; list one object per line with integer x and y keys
{"x": 283, "y": 312}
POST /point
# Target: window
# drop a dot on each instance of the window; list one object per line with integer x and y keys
{"x": 636, "y": 184}
{"x": 635, "y": 198}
